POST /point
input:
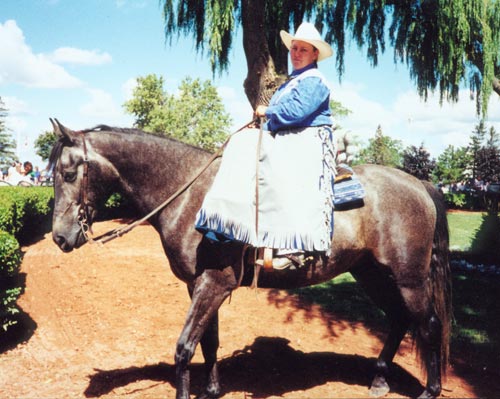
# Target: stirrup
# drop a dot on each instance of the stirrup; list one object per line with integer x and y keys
{"x": 282, "y": 262}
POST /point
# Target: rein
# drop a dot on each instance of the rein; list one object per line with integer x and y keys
{"x": 83, "y": 214}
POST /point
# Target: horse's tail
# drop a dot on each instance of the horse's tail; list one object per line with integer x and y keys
{"x": 440, "y": 275}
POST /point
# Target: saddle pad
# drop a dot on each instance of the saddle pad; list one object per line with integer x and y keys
{"x": 348, "y": 190}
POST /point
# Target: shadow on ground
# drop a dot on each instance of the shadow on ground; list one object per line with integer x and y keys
{"x": 268, "y": 367}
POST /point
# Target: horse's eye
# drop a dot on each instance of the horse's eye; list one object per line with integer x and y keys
{"x": 69, "y": 176}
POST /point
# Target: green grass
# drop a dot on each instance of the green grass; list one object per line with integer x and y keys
{"x": 463, "y": 228}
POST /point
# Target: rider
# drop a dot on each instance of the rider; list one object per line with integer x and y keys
{"x": 285, "y": 199}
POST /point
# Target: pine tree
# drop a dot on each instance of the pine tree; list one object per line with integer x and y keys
{"x": 382, "y": 150}
{"x": 493, "y": 138}
{"x": 476, "y": 143}
{"x": 7, "y": 143}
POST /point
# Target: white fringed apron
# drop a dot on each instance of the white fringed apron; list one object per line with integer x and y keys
{"x": 296, "y": 174}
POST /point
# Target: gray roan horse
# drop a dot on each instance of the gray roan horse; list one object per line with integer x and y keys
{"x": 396, "y": 245}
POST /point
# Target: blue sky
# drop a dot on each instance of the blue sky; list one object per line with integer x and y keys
{"x": 77, "y": 61}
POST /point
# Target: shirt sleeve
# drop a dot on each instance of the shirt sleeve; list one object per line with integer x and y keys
{"x": 294, "y": 107}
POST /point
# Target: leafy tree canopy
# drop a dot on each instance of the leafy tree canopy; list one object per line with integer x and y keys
{"x": 452, "y": 165}
{"x": 445, "y": 44}
{"x": 195, "y": 115}
{"x": 44, "y": 144}
{"x": 417, "y": 162}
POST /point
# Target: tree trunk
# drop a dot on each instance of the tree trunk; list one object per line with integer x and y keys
{"x": 496, "y": 86}
{"x": 262, "y": 79}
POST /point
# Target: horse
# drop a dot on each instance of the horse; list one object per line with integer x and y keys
{"x": 395, "y": 245}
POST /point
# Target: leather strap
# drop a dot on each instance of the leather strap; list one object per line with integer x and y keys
{"x": 268, "y": 258}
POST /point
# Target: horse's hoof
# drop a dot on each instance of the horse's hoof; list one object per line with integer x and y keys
{"x": 379, "y": 387}
{"x": 427, "y": 395}
{"x": 206, "y": 395}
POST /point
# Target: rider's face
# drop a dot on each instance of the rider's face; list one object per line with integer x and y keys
{"x": 302, "y": 54}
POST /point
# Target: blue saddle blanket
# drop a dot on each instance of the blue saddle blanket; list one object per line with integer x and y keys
{"x": 348, "y": 190}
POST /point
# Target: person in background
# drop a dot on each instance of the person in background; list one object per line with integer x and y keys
{"x": 28, "y": 171}
{"x": 274, "y": 188}
{"x": 36, "y": 175}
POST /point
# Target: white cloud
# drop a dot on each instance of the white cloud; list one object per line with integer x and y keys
{"x": 413, "y": 121}
{"x": 19, "y": 65}
{"x": 75, "y": 56}
{"x": 15, "y": 124}
{"x": 128, "y": 88}
{"x": 101, "y": 104}
{"x": 236, "y": 105}
{"x": 15, "y": 106}
{"x": 102, "y": 109}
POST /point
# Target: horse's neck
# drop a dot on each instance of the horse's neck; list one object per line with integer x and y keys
{"x": 150, "y": 168}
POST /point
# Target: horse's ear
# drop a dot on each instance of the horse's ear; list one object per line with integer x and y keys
{"x": 61, "y": 131}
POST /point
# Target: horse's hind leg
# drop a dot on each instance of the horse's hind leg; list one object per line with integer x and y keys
{"x": 379, "y": 386}
{"x": 381, "y": 288}
{"x": 429, "y": 343}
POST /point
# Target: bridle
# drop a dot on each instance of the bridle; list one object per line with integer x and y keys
{"x": 84, "y": 218}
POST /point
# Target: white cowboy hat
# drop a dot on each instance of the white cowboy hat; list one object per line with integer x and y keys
{"x": 306, "y": 32}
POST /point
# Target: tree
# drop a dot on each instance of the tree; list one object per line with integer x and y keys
{"x": 444, "y": 44}
{"x": 417, "y": 162}
{"x": 44, "y": 144}
{"x": 7, "y": 143}
{"x": 488, "y": 164}
{"x": 476, "y": 143}
{"x": 148, "y": 95}
{"x": 451, "y": 165}
{"x": 493, "y": 138}
{"x": 382, "y": 150}
{"x": 195, "y": 115}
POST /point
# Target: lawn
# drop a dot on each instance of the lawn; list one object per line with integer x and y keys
{"x": 463, "y": 228}
{"x": 475, "y": 233}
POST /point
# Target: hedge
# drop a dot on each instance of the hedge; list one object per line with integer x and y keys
{"x": 10, "y": 260}
{"x": 24, "y": 214}
{"x": 25, "y": 211}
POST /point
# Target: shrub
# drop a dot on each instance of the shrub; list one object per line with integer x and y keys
{"x": 25, "y": 211}
{"x": 10, "y": 255}
{"x": 24, "y": 214}
{"x": 10, "y": 261}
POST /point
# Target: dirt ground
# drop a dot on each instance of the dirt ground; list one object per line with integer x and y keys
{"x": 104, "y": 322}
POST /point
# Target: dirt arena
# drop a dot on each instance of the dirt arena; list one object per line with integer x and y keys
{"x": 104, "y": 321}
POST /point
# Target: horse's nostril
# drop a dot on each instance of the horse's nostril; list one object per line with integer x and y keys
{"x": 60, "y": 240}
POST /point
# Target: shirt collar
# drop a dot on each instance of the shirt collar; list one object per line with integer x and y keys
{"x": 297, "y": 72}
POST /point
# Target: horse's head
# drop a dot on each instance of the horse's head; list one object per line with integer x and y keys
{"x": 82, "y": 178}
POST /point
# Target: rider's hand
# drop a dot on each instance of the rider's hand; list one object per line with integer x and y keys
{"x": 260, "y": 111}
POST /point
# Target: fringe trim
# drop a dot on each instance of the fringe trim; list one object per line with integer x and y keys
{"x": 211, "y": 221}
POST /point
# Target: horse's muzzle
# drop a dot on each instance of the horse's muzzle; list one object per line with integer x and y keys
{"x": 67, "y": 245}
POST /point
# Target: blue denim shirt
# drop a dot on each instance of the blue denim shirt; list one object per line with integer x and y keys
{"x": 302, "y": 101}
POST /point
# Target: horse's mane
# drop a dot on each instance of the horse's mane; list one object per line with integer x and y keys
{"x": 63, "y": 141}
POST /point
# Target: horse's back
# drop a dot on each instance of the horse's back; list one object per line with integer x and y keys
{"x": 397, "y": 219}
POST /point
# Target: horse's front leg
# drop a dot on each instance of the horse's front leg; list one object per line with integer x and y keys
{"x": 211, "y": 288}
{"x": 209, "y": 345}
